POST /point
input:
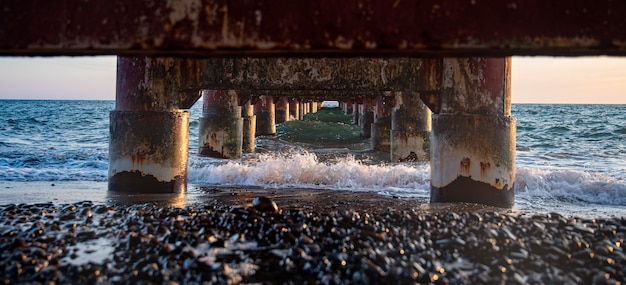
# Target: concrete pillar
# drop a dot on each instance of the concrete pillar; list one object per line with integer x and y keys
{"x": 249, "y": 128}
{"x": 221, "y": 126}
{"x": 314, "y": 107}
{"x": 473, "y": 134}
{"x": 347, "y": 107}
{"x": 264, "y": 110}
{"x": 366, "y": 117}
{"x": 381, "y": 127}
{"x": 306, "y": 109}
{"x": 148, "y": 147}
{"x": 301, "y": 107}
{"x": 355, "y": 113}
{"x": 282, "y": 110}
{"x": 294, "y": 109}
{"x": 410, "y": 128}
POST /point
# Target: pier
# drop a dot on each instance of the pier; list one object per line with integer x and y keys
{"x": 386, "y": 62}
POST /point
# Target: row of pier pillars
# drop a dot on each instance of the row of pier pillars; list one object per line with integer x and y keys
{"x": 397, "y": 123}
{"x": 230, "y": 123}
{"x": 454, "y": 112}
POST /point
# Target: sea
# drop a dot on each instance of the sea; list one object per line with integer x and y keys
{"x": 571, "y": 159}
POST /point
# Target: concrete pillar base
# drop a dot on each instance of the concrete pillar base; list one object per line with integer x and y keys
{"x": 294, "y": 110}
{"x": 249, "y": 128}
{"x": 346, "y": 108}
{"x": 381, "y": 135}
{"x": 314, "y": 107}
{"x": 381, "y": 127}
{"x": 410, "y": 146}
{"x": 366, "y": 118}
{"x": 410, "y": 128}
{"x": 282, "y": 110}
{"x": 265, "y": 112}
{"x": 301, "y": 111}
{"x": 473, "y": 159}
{"x": 221, "y": 137}
{"x": 144, "y": 160}
{"x": 221, "y": 125}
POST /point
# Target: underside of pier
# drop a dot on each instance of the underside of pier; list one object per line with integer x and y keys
{"x": 387, "y": 60}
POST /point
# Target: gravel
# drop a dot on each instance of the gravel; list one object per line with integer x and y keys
{"x": 262, "y": 243}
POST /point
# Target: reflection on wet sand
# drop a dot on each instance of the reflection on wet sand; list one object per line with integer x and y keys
{"x": 176, "y": 200}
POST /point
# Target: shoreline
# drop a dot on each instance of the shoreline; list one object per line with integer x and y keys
{"x": 69, "y": 192}
{"x": 234, "y": 239}
{"x": 65, "y": 192}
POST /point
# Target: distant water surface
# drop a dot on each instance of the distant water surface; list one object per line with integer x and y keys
{"x": 570, "y": 158}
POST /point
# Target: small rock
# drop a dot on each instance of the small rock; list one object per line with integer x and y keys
{"x": 264, "y": 204}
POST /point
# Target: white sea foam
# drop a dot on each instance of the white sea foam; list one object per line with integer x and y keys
{"x": 533, "y": 185}
{"x": 304, "y": 170}
{"x": 574, "y": 186}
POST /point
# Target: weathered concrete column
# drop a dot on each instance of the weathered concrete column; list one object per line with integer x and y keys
{"x": 314, "y": 107}
{"x": 366, "y": 117}
{"x": 148, "y": 147}
{"x": 294, "y": 109}
{"x": 221, "y": 125}
{"x": 410, "y": 128}
{"x": 264, "y": 110}
{"x": 355, "y": 113}
{"x": 282, "y": 110}
{"x": 381, "y": 127}
{"x": 249, "y": 127}
{"x": 301, "y": 108}
{"x": 347, "y": 107}
{"x": 305, "y": 108}
{"x": 473, "y": 133}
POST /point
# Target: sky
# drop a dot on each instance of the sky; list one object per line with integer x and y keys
{"x": 580, "y": 80}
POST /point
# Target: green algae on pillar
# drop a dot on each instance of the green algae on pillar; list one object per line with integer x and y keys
{"x": 221, "y": 126}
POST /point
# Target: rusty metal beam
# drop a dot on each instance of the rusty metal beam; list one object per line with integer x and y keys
{"x": 317, "y": 77}
{"x": 313, "y": 28}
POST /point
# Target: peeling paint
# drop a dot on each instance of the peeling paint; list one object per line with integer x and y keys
{"x": 135, "y": 146}
{"x": 484, "y": 157}
{"x": 475, "y": 85}
{"x": 465, "y": 166}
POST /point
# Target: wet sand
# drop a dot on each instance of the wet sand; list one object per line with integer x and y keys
{"x": 199, "y": 195}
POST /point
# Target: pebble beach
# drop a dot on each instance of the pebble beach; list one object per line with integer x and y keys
{"x": 255, "y": 237}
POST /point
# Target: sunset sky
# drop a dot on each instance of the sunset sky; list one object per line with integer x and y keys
{"x": 535, "y": 79}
